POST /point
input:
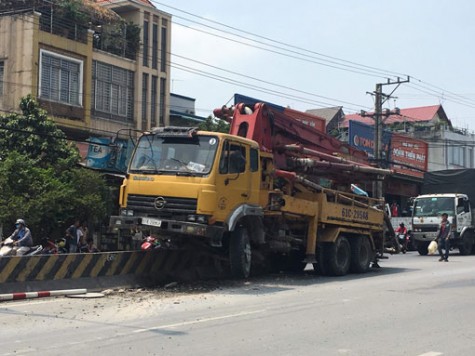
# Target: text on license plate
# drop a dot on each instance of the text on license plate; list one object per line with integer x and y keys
{"x": 151, "y": 222}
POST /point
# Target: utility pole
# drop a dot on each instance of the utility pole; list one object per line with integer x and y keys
{"x": 377, "y": 116}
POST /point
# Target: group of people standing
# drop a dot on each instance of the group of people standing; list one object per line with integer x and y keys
{"x": 77, "y": 239}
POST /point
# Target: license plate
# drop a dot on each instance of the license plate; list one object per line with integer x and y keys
{"x": 151, "y": 222}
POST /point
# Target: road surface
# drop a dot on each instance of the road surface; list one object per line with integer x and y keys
{"x": 413, "y": 305}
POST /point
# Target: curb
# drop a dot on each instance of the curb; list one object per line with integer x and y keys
{"x": 42, "y": 294}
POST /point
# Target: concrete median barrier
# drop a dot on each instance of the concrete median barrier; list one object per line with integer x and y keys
{"x": 97, "y": 271}
{"x": 93, "y": 271}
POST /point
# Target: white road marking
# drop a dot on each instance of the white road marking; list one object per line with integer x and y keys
{"x": 13, "y": 303}
{"x": 431, "y": 353}
{"x": 191, "y": 322}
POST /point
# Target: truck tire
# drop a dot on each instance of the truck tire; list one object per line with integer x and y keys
{"x": 361, "y": 255}
{"x": 466, "y": 245}
{"x": 422, "y": 248}
{"x": 240, "y": 253}
{"x": 338, "y": 257}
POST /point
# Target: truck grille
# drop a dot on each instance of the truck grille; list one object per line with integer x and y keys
{"x": 146, "y": 204}
{"x": 432, "y": 228}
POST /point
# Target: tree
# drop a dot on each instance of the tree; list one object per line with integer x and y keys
{"x": 40, "y": 179}
{"x": 215, "y": 125}
{"x": 35, "y": 136}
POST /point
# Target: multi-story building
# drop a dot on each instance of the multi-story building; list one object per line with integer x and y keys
{"x": 96, "y": 68}
{"x": 448, "y": 147}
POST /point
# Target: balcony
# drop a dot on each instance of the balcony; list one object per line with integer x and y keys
{"x": 73, "y": 19}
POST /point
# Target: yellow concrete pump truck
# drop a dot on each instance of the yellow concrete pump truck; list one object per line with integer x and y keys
{"x": 274, "y": 191}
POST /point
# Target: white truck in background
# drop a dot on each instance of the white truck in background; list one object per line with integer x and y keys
{"x": 450, "y": 192}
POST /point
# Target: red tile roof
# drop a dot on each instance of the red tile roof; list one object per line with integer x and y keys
{"x": 419, "y": 114}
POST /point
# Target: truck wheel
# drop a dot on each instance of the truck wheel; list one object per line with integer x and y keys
{"x": 240, "y": 253}
{"x": 466, "y": 246}
{"x": 422, "y": 248}
{"x": 361, "y": 255}
{"x": 338, "y": 257}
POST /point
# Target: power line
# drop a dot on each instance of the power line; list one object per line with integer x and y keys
{"x": 332, "y": 59}
{"x": 284, "y": 54}
{"x": 467, "y": 102}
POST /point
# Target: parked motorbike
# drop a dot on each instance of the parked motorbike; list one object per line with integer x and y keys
{"x": 51, "y": 247}
{"x": 150, "y": 243}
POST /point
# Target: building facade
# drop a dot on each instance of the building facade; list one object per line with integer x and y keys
{"x": 103, "y": 70}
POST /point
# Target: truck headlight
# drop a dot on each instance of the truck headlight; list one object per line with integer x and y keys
{"x": 202, "y": 219}
{"x": 127, "y": 212}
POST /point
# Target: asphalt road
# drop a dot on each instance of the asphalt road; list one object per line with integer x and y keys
{"x": 413, "y": 305}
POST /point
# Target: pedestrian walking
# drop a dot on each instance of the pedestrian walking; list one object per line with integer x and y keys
{"x": 444, "y": 235}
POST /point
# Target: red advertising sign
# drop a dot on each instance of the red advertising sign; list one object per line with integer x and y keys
{"x": 408, "y": 155}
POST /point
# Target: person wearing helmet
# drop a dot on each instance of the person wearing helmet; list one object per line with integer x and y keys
{"x": 22, "y": 238}
{"x": 401, "y": 232}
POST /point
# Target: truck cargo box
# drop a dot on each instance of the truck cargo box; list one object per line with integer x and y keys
{"x": 450, "y": 181}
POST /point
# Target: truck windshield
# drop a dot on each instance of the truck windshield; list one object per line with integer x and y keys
{"x": 174, "y": 155}
{"x": 434, "y": 206}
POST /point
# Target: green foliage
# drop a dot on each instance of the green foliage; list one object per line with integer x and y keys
{"x": 120, "y": 38}
{"x": 214, "y": 125}
{"x": 35, "y": 136}
{"x": 40, "y": 180}
{"x": 72, "y": 10}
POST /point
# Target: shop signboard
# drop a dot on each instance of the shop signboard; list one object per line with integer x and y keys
{"x": 408, "y": 155}
{"x": 361, "y": 136}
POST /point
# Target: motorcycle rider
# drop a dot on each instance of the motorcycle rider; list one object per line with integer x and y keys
{"x": 22, "y": 239}
{"x": 402, "y": 230}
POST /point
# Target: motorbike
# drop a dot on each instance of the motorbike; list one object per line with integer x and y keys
{"x": 150, "y": 243}
{"x": 6, "y": 249}
{"x": 53, "y": 247}
{"x": 403, "y": 242}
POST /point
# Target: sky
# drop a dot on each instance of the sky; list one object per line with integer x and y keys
{"x": 313, "y": 53}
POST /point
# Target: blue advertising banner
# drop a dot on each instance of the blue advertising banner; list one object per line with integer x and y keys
{"x": 361, "y": 136}
{"x": 103, "y": 154}
{"x": 99, "y": 153}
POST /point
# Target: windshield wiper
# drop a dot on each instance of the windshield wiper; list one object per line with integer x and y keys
{"x": 186, "y": 174}
{"x": 148, "y": 171}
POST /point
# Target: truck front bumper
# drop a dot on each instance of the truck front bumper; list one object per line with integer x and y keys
{"x": 169, "y": 229}
{"x": 424, "y": 236}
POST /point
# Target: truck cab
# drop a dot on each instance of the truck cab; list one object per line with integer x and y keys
{"x": 182, "y": 182}
{"x": 427, "y": 216}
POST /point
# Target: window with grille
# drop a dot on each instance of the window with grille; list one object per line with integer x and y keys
{"x": 163, "y": 87}
{"x": 60, "y": 78}
{"x": 457, "y": 155}
{"x": 2, "y": 70}
{"x": 145, "y": 44}
{"x": 113, "y": 90}
{"x": 144, "y": 100}
{"x": 155, "y": 46}
{"x": 163, "y": 49}
{"x": 153, "y": 104}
